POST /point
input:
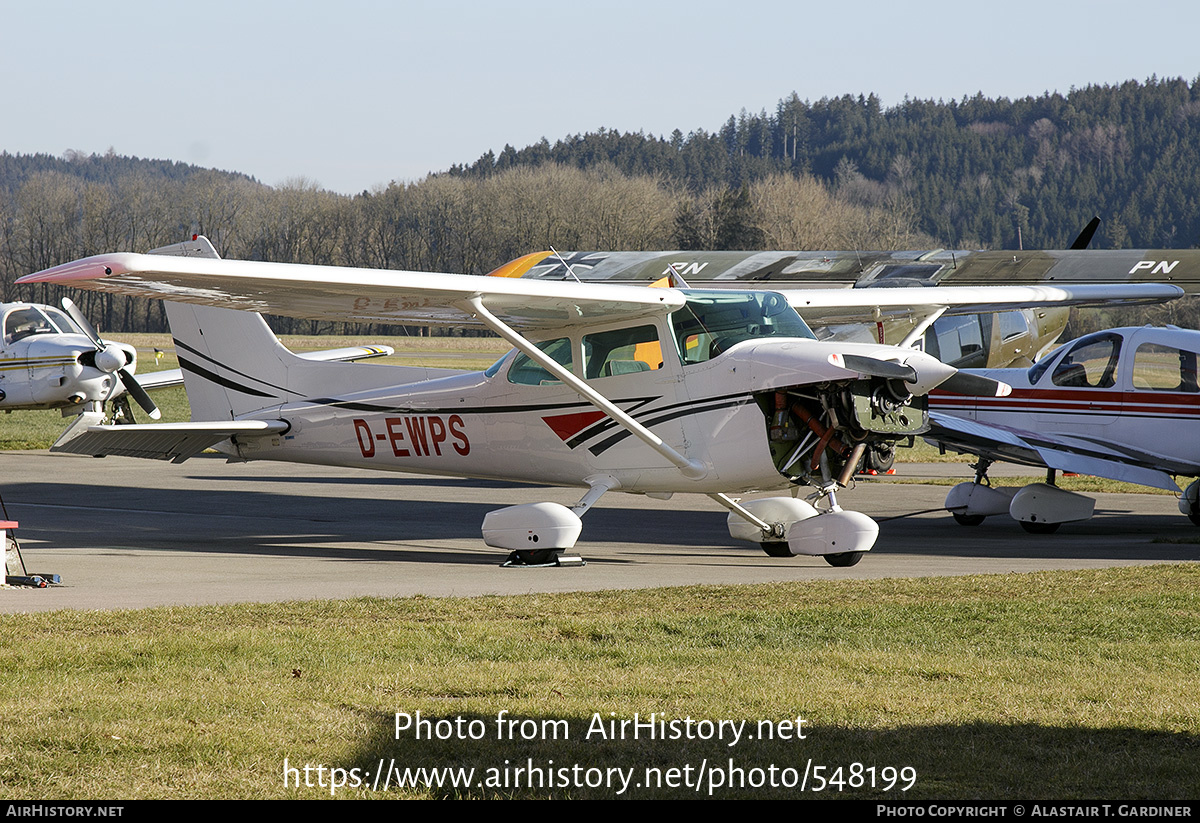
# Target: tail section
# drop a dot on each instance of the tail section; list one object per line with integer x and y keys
{"x": 233, "y": 364}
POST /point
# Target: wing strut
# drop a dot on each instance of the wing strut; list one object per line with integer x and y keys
{"x": 692, "y": 469}
{"x": 919, "y": 330}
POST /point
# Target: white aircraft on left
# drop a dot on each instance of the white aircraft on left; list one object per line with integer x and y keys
{"x": 53, "y": 359}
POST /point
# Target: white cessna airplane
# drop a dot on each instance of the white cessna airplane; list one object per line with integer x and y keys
{"x": 1122, "y": 404}
{"x": 651, "y": 391}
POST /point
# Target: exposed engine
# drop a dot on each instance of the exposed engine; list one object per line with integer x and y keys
{"x": 819, "y": 433}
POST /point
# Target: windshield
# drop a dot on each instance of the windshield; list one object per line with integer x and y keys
{"x": 713, "y": 321}
{"x": 64, "y": 323}
{"x": 1091, "y": 362}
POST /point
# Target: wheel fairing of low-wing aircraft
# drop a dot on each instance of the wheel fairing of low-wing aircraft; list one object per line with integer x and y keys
{"x": 48, "y": 361}
{"x": 1122, "y": 404}
{"x": 640, "y": 390}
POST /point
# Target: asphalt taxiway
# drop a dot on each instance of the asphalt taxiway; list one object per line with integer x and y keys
{"x": 127, "y": 533}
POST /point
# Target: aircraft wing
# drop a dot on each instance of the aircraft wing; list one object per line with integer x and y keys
{"x": 1069, "y": 454}
{"x": 422, "y": 298}
{"x": 829, "y": 306}
{"x": 174, "y": 377}
{"x": 164, "y": 379}
{"x": 357, "y": 295}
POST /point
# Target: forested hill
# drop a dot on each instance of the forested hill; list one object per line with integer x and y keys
{"x": 107, "y": 168}
{"x": 974, "y": 170}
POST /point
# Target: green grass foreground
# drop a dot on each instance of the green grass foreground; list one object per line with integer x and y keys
{"x": 1048, "y": 685}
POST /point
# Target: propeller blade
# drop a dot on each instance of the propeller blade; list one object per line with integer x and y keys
{"x": 975, "y": 385}
{"x": 127, "y": 380}
{"x": 82, "y": 322}
{"x": 139, "y": 394}
{"x": 879, "y": 368}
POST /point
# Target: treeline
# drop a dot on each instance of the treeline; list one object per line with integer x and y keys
{"x": 977, "y": 171}
{"x": 443, "y": 223}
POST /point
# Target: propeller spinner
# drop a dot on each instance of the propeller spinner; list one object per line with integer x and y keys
{"x": 111, "y": 360}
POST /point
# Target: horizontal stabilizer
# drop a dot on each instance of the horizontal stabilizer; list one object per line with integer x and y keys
{"x": 157, "y": 441}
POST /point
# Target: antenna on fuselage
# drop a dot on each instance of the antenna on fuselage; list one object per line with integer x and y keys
{"x": 677, "y": 280}
{"x": 562, "y": 260}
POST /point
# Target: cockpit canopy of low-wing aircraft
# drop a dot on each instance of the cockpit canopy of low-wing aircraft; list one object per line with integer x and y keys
{"x": 1101, "y": 361}
{"x": 25, "y": 321}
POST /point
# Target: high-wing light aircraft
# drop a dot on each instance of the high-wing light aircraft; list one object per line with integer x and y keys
{"x": 651, "y": 391}
{"x": 1122, "y": 404}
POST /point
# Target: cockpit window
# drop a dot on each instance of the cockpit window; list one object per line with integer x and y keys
{"x": 64, "y": 323}
{"x": 21, "y": 323}
{"x": 1012, "y": 324}
{"x": 713, "y": 321}
{"x": 622, "y": 351}
{"x": 1091, "y": 363}
{"x": 1164, "y": 368}
{"x": 527, "y": 372}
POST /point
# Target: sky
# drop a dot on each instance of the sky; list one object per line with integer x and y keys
{"x": 353, "y": 94}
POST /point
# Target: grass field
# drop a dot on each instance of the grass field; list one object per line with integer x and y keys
{"x": 1061, "y": 685}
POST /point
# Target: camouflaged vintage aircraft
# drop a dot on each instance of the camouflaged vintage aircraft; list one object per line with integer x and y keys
{"x": 1013, "y": 338}
{"x": 608, "y": 388}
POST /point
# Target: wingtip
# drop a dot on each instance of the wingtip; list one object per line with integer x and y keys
{"x": 89, "y": 268}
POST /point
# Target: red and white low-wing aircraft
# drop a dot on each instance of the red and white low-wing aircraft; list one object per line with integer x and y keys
{"x": 652, "y": 391}
{"x": 1122, "y": 404}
